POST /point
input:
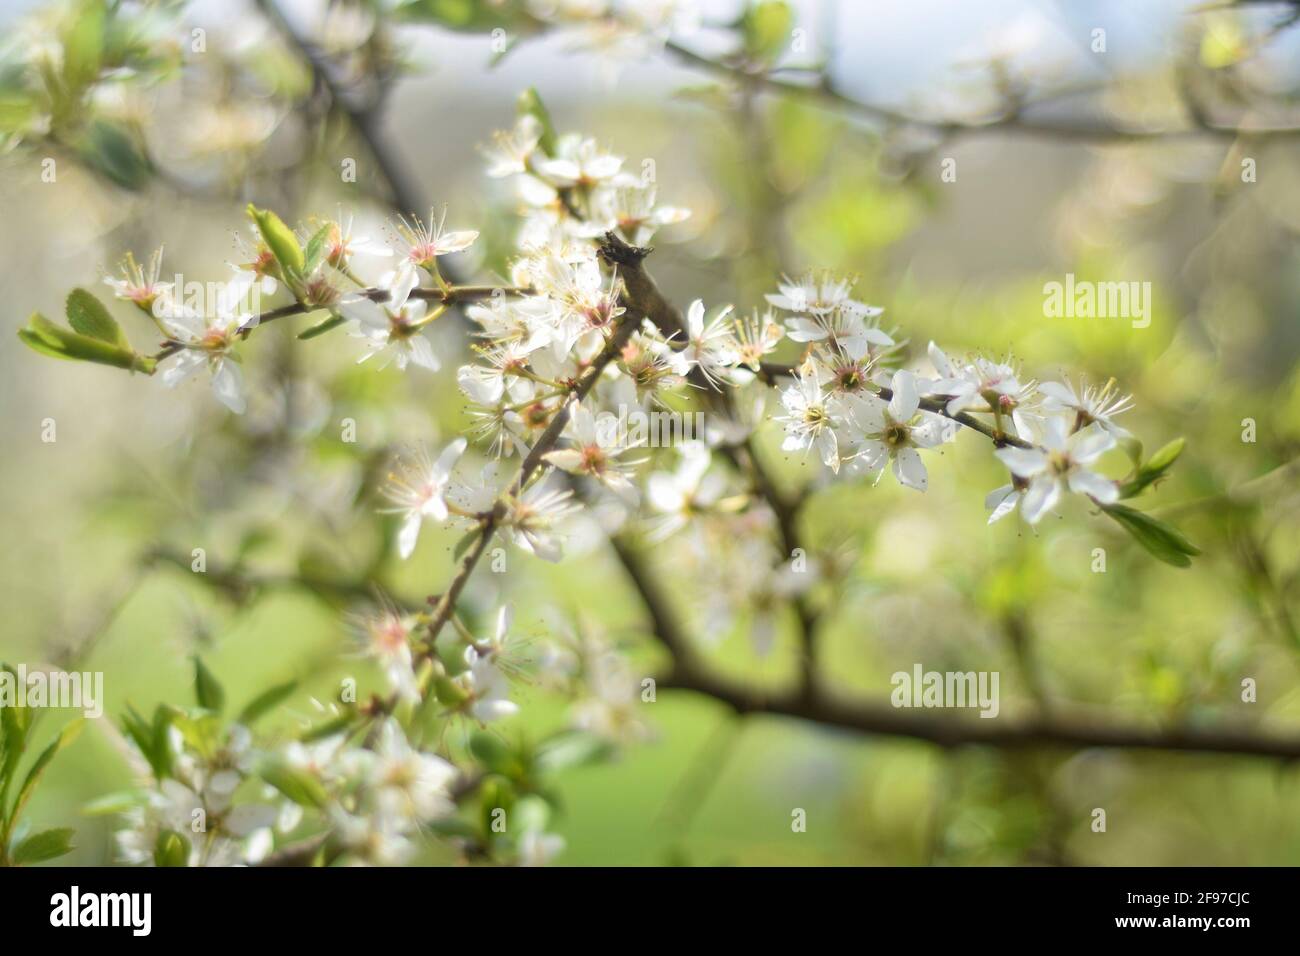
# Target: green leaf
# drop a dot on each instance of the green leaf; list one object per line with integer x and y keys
{"x": 45, "y": 337}
{"x": 207, "y": 689}
{"x": 201, "y": 730}
{"x": 329, "y": 728}
{"x": 111, "y": 804}
{"x": 45, "y": 845}
{"x": 298, "y": 785}
{"x": 1163, "y": 541}
{"x": 83, "y": 43}
{"x": 572, "y": 749}
{"x": 266, "y": 700}
{"x": 280, "y": 239}
{"x": 151, "y": 737}
{"x": 114, "y": 152}
{"x": 767, "y": 28}
{"x": 495, "y": 754}
{"x": 530, "y": 103}
{"x": 452, "y": 827}
{"x": 316, "y": 248}
{"x": 66, "y": 736}
{"x": 87, "y": 315}
{"x": 1154, "y": 469}
{"x": 171, "y": 849}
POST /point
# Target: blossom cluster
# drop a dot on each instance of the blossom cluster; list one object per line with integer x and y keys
{"x": 560, "y": 346}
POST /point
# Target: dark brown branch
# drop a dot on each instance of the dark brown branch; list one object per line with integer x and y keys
{"x": 947, "y": 731}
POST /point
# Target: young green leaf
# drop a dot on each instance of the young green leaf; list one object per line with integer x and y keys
{"x": 530, "y": 104}
{"x": 280, "y": 239}
{"x": 46, "y": 845}
{"x": 767, "y": 28}
{"x": 572, "y": 749}
{"x": 42, "y": 335}
{"x": 87, "y": 315}
{"x": 207, "y": 689}
{"x": 266, "y": 701}
{"x": 1163, "y": 541}
{"x": 171, "y": 849}
{"x": 316, "y": 248}
{"x": 298, "y": 785}
{"x": 494, "y": 754}
{"x": 1154, "y": 469}
{"x": 83, "y": 44}
{"x": 66, "y": 736}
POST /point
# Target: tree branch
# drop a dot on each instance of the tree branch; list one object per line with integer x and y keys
{"x": 1012, "y": 120}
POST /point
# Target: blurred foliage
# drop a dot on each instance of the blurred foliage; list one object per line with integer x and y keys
{"x": 284, "y": 507}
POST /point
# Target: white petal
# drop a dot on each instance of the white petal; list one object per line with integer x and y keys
{"x": 1086, "y": 482}
{"x": 1043, "y": 494}
{"x": 182, "y": 367}
{"x": 1023, "y": 462}
{"x": 1001, "y": 501}
{"x": 940, "y": 361}
{"x": 566, "y": 459}
{"x": 909, "y": 469}
{"x": 1090, "y": 444}
{"x": 905, "y": 401}
{"x": 695, "y": 318}
{"x": 228, "y": 386}
{"x": 421, "y": 352}
{"x": 447, "y": 460}
{"x": 406, "y": 278}
{"x": 456, "y": 241}
{"x": 408, "y": 535}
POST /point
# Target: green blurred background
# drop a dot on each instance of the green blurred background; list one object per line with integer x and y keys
{"x": 776, "y": 184}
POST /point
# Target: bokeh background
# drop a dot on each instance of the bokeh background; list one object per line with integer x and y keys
{"x": 776, "y": 184}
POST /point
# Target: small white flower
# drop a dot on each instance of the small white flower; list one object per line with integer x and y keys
{"x": 689, "y": 491}
{"x": 1093, "y": 405}
{"x": 141, "y": 286}
{"x": 594, "y": 453}
{"x": 894, "y": 431}
{"x": 488, "y": 687}
{"x": 1059, "y": 466}
{"x": 980, "y": 384}
{"x": 425, "y": 242}
{"x": 708, "y": 348}
{"x": 632, "y": 211}
{"x": 386, "y": 637}
{"x": 530, "y": 520}
{"x": 811, "y": 418}
{"x": 820, "y": 295}
{"x": 579, "y": 162}
{"x": 395, "y": 331}
{"x": 510, "y": 152}
{"x": 418, "y": 487}
{"x": 208, "y": 341}
{"x": 407, "y": 785}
